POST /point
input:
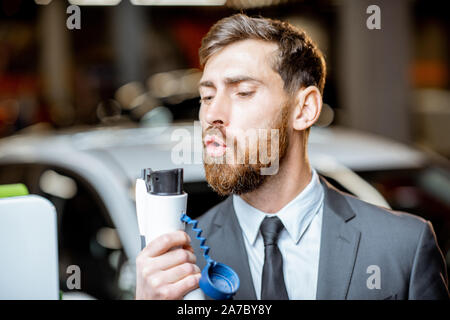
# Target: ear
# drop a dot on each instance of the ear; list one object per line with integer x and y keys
{"x": 307, "y": 108}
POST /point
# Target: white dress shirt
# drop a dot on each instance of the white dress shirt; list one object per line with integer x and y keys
{"x": 299, "y": 241}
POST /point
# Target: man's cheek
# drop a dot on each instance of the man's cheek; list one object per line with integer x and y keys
{"x": 201, "y": 116}
{"x": 274, "y": 159}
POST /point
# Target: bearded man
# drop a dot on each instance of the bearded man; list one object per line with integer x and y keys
{"x": 284, "y": 229}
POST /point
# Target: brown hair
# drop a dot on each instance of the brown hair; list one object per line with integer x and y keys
{"x": 299, "y": 62}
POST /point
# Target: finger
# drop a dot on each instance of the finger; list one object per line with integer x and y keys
{"x": 188, "y": 247}
{"x": 179, "y": 272}
{"x": 166, "y": 242}
{"x": 172, "y": 259}
{"x": 184, "y": 286}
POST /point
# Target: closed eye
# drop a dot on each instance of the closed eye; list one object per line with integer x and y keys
{"x": 206, "y": 99}
{"x": 246, "y": 94}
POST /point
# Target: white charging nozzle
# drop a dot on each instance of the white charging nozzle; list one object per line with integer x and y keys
{"x": 160, "y": 203}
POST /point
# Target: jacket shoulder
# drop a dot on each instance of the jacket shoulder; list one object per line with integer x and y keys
{"x": 371, "y": 216}
{"x": 407, "y": 239}
{"x": 400, "y": 231}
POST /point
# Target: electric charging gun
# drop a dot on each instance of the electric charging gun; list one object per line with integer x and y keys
{"x": 161, "y": 208}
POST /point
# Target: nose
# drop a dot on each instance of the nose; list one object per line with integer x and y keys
{"x": 217, "y": 112}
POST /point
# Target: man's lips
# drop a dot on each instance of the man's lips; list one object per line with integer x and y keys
{"x": 215, "y": 147}
{"x": 213, "y": 139}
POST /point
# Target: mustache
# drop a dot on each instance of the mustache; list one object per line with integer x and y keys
{"x": 214, "y": 130}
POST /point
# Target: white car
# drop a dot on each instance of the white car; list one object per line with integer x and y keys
{"x": 90, "y": 175}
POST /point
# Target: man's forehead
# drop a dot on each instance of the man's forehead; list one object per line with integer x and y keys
{"x": 250, "y": 58}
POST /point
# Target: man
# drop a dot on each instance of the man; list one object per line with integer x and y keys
{"x": 288, "y": 234}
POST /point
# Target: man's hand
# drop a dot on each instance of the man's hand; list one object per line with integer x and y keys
{"x": 162, "y": 273}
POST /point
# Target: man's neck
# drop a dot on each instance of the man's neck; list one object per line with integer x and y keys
{"x": 278, "y": 190}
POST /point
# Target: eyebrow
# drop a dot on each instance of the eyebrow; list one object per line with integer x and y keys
{"x": 229, "y": 81}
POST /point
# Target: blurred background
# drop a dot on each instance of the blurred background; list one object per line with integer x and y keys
{"x": 83, "y": 110}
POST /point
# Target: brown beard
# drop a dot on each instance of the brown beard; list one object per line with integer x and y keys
{"x": 226, "y": 179}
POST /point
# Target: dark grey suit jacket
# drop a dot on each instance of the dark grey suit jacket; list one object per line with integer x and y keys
{"x": 355, "y": 235}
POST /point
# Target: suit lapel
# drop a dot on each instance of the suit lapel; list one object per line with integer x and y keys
{"x": 227, "y": 246}
{"x": 338, "y": 248}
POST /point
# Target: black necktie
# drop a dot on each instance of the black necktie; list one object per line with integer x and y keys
{"x": 272, "y": 285}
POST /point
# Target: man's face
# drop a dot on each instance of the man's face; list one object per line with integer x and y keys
{"x": 242, "y": 96}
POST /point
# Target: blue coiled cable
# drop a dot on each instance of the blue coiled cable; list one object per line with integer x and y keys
{"x": 218, "y": 281}
{"x": 203, "y": 246}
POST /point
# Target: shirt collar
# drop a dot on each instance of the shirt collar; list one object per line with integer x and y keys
{"x": 295, "y": 216}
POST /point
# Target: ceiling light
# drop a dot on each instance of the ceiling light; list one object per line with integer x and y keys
{"x": 95, "y": 2}
{"x": 179, "y": 2}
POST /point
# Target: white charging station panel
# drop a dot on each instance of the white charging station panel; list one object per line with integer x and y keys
{"x": 28, "y": 249}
